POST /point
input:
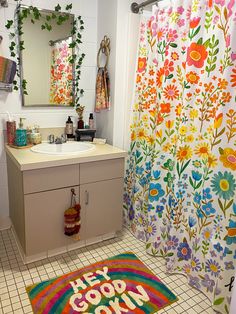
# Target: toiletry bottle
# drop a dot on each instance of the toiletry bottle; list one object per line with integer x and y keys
{"x": 91, "y": 121}
{"x": 11, "y": 130}
{"x": 69, "y": 127}
{"x": 21, "y": 134}
{"x": 80, "y": 124}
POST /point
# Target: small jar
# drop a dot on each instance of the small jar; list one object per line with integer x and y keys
{"x": 35, "y": 138}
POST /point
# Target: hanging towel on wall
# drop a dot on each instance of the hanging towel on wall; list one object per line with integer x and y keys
{"x": 102, "y": 90}
{"x": 7, "y": 70}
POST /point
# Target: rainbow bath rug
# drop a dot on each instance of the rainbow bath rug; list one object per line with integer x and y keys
{"x": 121, "y": 284}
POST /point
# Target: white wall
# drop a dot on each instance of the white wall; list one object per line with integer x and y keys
{"x": 116, "y": 20}
{"x": 46, "y": 117}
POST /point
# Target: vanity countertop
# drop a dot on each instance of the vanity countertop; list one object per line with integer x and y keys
{"x": 25, "y": 159}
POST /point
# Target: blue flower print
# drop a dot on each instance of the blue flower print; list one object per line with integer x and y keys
{"x": 208, "y": 209}
{"x": 148, "y": 165}
{"x": 197, "y": 198}
{"x": 184, "y": 251}
{"x": 159, "y": 210}
{"x": 155, "y": 192}
{"x": 194, "y": 282}
{"x": 213, "y": 267}
{"x": 191, "y": 221}
{"x": 199, "y": 213}
{"x": 208, "y": 283}
{"x": 139, "y": 170}
{"x": 231, "y": 235}
{"x": 156, "y": 174}
{"x": 206, "y": 194}
{"x": 218, "y": 247}
{"x": 143, "y": 181}
{"x": 196, "y": 175}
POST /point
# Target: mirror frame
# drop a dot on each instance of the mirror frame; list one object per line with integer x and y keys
{"x": 21, "y": 65}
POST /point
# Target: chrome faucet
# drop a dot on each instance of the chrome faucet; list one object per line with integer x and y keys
{"x": 57, "y": 140}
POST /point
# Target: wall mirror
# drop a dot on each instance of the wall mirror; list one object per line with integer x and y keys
{"x": 45, "y": 59}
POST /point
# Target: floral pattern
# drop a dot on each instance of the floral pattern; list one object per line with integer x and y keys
{"x": 180, "y": 178}
{"x": 61, "y": 89}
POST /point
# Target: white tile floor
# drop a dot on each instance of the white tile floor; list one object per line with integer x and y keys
{"x": 15, "y": 276}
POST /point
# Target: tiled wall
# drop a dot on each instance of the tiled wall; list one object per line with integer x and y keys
{"x": 47, "y": 117}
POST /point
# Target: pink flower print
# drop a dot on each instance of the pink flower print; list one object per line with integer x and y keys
{"x": 172, "y": 35}
{"x": 180, "y": 10}
{"x": 170, "y": 10}
{"x": 154, "y": 29}
{"x": 181, "y": 22}
{"x": 230, "y": 6}
{"x": 58, "y": 61}
{"x": 160, "y": 33}
{"x": 233, "y": 56}
{"x": 216, "y": 19}
{"x": 220, "y": 2}
{"x": 227, "y": 41}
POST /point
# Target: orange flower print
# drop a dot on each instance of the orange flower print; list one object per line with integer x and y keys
{"x": 226, "y": 97}
{"x": 175, "y": 56}
{"x": 192, "y": 77}
{"x": 168, "y": 67}
{"x": 209, "y": 87}
{"x": 160, "y": 77}
{"x": 233, "y": 77}
{"x": 222, "y": 83}
{"x": 184, "y": 153}
{"x": 138, "y": 78}
{"x": 178, "y": 109}
{"x": 165, "y": 108}
{"x": 218, "y": 121}
{"x": 228, "y": 158}
{"x": 196, "y": 55}
{"x": 142, "y": 63}
{"x": 194, "y": 22}
{"x": 160, "y": 119}
{"x": 171, "y": 92}
{"x": 202, "y": 150}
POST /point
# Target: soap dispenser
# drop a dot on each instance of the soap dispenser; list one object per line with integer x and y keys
{"x": 69, "y": 128}
{"x": 21, "y": 134}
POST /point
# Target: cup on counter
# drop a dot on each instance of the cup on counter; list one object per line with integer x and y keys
{"x": 11, "y": 132}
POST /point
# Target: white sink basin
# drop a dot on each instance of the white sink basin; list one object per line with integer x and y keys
{"x": 69, "y": 148}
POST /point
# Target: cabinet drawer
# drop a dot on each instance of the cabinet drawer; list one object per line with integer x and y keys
{"x": 50, "y": 178}
{"x": 101, "y": 170}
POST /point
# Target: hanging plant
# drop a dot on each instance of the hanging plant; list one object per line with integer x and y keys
{"x": 58, "y": 17}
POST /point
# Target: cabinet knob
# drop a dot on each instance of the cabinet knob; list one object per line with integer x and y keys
{"x": 86, "y": 197}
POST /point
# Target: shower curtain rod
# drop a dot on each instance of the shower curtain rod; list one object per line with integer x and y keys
{"x": 135, "y": 7}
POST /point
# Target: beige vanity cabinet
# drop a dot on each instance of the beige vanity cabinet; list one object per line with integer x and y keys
{"x": 39, "y": 197}
{"x": 101, "y": 195}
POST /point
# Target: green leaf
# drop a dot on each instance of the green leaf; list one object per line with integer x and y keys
{"x": 200, "y": 41}
{"x": 69, "y": 7}
{"x": 148, "y": 245}
{"x": 58, "y": 8}
{"x": 191, "y": 181}
{"x": 220, "y": 204}
{"x": 229, "y": 204}
{"x": 219, "y": 301}
{"x": 173, "y": 45}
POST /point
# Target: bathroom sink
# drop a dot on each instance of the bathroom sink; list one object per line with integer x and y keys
{"x": 69, "y": 148}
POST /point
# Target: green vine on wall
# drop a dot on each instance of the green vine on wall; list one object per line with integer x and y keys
{"x": 59, "y": 17}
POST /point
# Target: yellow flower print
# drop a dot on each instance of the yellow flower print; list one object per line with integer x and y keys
{"x": 193, "y": 114}
{"x": 210, "y": 129}
{"x": 183, "y": 130}
{"x": 218, "y": 121}
{"x": 169, "y": 124}
{"x": 145, "y": 117}
{"x": 212, "y": 161}
{"x": 141, "y": 134}
{"x": 184, "y": 153}
{"x": 192, "y": 129}
{"x": 159, "y": 133}
{"x": 150, "y": 139}
{"x": 228, "y": 158}
{"x": 167, "y": 147}
{"x": 189, "y": 138}
{"x": 133, "y": 136}
{"x": 174, "y": 139}
{"x": 202, "y": 150}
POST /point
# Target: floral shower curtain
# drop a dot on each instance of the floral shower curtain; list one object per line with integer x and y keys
{"x": 180, "y": 179}
{"x": 61, "y": 88}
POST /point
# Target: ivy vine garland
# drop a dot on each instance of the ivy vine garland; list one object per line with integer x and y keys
{"x": 59, "y": 17}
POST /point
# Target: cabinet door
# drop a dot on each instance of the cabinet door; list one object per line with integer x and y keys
{"x": 44, "y": 218}
{"x": 102, "y": 203}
